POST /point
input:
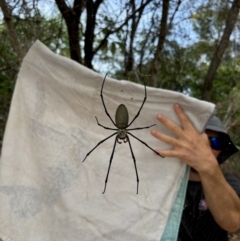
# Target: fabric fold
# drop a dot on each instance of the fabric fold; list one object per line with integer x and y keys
{"x": 48, "y": 193}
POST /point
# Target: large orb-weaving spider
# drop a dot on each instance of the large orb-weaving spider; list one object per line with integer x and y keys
{"x": 121, "y": 119}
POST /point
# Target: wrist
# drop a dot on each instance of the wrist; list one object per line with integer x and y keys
{"x": 212, "y": 170}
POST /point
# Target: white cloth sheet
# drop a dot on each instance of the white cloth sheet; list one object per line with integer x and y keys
{"x": 47, "y": 193}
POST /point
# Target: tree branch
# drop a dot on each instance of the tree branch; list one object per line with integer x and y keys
{"x": 92, "y": 8}
{"x": 218, "y": 54}
{"x": 161, "y": 40}
{"x": 11, "y": 30}
{"x": 71, "y": 17}
{"x": 176, "y": 9}
{"x": 118, "y": 28}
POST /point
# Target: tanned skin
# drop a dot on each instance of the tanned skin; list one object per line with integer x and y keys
{"x": 193, "y": 148}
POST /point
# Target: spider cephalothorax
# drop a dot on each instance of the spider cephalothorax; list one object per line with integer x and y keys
{"x": 122, "y": 132}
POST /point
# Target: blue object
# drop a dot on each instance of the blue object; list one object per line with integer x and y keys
{"x": 216, "y": 142}
{"x": 172, "y": 226}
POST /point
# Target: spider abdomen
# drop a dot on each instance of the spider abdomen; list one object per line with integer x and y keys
{"x": 121, "y": 132}
{"x": 121, "y": 117}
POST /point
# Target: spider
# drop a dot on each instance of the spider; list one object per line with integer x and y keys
{"x": 122, "y": 132}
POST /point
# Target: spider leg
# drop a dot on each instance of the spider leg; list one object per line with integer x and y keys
{"x": 140, "y": 128}
{"x": 145, "y": 144}
{"x": 105, "y": 127}
{"x": 110, "y": 162}
{"x": 98, "y": 145}
{"x": 134, "y": 161}
{"x": 101, "y": 95}
{"x": 140, "y": 107}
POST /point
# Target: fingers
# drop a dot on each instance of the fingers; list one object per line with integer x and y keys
{"x": 168, "y": 153}
{"x": 165, "y": 138}
{"x": 185, "y": 121}
{"x": 185, "y": 143}
{"x": 174, "y": 128}
{"x": 178, "y": 150}
{"x": 186, "y": 124}
{"x": 169, "y": 140}
{"x": 183, "y": 134}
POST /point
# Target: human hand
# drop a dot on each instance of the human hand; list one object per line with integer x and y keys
{"x": 189, "y": 145}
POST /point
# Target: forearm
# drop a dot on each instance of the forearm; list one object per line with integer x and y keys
{"x": 223, "y": 202}
{"x": 193, "y": 148}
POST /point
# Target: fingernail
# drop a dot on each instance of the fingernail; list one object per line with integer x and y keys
{"x": 177, "y": 106}
{"x": 160, "y": 116}
{"x": 153, "y": 131}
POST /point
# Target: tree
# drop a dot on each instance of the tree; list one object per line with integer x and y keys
{"x": 161, "y": 40}
{"x": 11, "y": 30}
{"x": 27, "y": 30}
{"x": 220, "y": 48}
{"x": 182, "y": 45}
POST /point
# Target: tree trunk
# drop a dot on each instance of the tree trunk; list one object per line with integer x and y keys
{"x": 11, "y": 30}
{"x": 72, "y": 17}
{"x": 161, "y": 39}
{"x": 129, "y": 59}
{"x": 92, "y": 8}
{"x": 218, "y": 54}
{"x": 129, "y": 55}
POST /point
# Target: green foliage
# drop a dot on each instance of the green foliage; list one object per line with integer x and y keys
{"x": 6, "y": 90}
{"x": 210, "y": 19}
{"x": 228, "y": 109}
{"x": 183, "y": 67}
{"x": 49, "y": 31}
